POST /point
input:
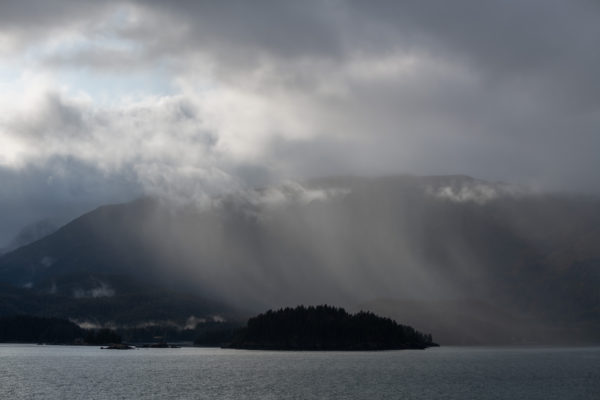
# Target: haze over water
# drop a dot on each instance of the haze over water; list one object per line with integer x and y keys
{"x": 60, "y": 372}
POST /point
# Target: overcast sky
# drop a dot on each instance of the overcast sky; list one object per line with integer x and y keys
{"x": 102, "y": 101}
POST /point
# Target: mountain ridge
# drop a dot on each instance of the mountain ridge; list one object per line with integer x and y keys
{"x": 346, "y": 241}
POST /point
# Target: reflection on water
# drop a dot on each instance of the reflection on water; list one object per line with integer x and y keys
{"x": 64, "y": 372}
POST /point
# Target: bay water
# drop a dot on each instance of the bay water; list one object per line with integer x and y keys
{"x": 72, "y": 372}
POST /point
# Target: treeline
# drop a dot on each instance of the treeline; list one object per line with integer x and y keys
{"x": 207, "y": 333}
{"x": 327, "y": 328}
{"x": 30, "y": 329}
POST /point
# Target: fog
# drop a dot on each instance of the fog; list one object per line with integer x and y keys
{"x": 469, "y": 260}
{"x": 475, "y": 261}
{"x": 232, "y": 117}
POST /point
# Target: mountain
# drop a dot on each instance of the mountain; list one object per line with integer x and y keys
{"x": 31, "y": 233}
{"x": 475, "y": 259}
{"x": 99, "y": 269}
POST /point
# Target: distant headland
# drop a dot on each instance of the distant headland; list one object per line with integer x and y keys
{"x": 326, "y": 328}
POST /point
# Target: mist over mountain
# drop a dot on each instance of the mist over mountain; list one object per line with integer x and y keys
{"x": 31, "y": 233}
{"x": 467, "y": 260}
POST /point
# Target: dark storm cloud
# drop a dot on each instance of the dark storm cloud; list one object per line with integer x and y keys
{"x": 528, "y": 41}
{"x": 27, "y": 20}
{"x": 25, "y": 14}
{"x": 526, "y": 90}
{"x": 531, "y": 42}
{"x": 503, "y": 90}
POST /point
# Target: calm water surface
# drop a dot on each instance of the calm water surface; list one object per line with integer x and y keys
{"x": 64, "y": 372}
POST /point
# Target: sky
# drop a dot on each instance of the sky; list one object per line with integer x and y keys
{"x": 105, "y": 101}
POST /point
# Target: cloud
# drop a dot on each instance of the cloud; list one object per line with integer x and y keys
{"x": 25, "y": 22}
{"x": 473, "y": 191}
{"x": 102, "y": 290}
{"x": 186, "y": 98}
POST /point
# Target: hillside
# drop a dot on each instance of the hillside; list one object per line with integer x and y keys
{"x": 448, "y": 246}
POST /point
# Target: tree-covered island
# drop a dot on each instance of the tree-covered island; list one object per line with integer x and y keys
{"x": 326, "y": 328}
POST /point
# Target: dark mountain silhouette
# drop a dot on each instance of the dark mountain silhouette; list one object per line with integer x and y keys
{"x": 480, "y": 261}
